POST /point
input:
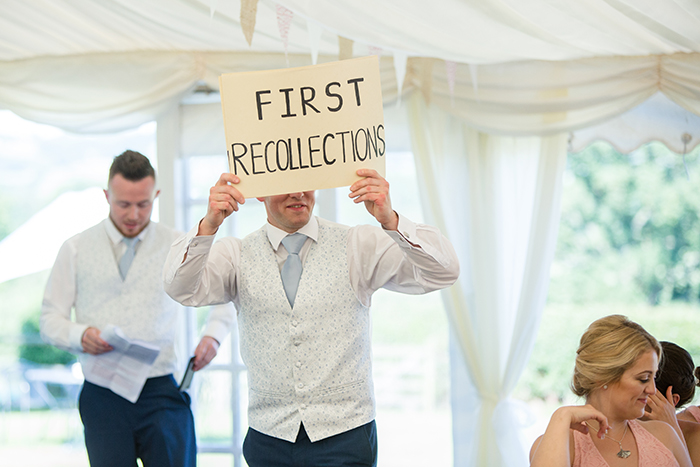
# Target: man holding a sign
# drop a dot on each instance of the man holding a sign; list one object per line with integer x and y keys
{"x": 308, "y": 351}
{"x": 303, "y": 285}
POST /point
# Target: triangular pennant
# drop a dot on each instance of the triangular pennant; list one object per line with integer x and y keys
{"x": 284, "y": 21}
{"x": 315, "y": 31}
{"x": 374, "y": 50}
{"x": 451, "y": 71}
{"x": 400, "y": 60}
{"x": 249, "y": 10}
{"x": 344, "y": 48}
{"x": 475, "y": 80}
{"x": 426, "y": 78}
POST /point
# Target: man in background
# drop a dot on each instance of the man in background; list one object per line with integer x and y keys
{"x": 111, "y": 274}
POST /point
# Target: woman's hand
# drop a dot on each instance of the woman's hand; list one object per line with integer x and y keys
{"x": 663, "y": 409}
{"x": 554, "y": 448}
{"x": 579, "y": 415}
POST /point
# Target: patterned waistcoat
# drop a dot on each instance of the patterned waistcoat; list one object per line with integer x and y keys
{"x": 310, "y": 363}
{"x": 138, "y": 304}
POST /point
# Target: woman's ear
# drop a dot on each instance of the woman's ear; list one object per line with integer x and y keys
{"x": 676, "y": 399}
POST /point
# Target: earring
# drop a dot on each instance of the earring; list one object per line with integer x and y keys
{"x": 605, "y": 386}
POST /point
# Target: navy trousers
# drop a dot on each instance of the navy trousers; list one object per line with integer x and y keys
{"x": 158, "y": 428}
{"x": 353, "y": 448}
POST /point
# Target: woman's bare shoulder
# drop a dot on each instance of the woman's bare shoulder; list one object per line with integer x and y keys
{"x": 537, "y": 442}
{"x": 656, "y": 427}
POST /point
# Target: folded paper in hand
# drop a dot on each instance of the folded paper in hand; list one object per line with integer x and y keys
{"x": 123, "y": 370}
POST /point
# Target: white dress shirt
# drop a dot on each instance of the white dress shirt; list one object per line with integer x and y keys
{"x": 309, "y": 363}
{"x": 416, "y": 259}
{"x": 61, "y": 292}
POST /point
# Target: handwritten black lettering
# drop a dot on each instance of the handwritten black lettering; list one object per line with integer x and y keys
{"x": 260, "y": 103}
{"x": 307, "y": 102}
{"x": 325, "y": 152}
{"x": 286, "y": 92}
{"x": 237, "y": 158}
{"x": 312, "y": 151}
{"x": 337, "y": 96}
{"x": 355, "y": 81}
{"x": 287, "y": 155}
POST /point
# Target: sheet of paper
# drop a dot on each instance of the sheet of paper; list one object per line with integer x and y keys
{"x": 125, "y": 369}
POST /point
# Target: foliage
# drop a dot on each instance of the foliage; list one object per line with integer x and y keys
{"x": 34, "y": 350}
{"x": 629, "y": 243}
{"x": 630, "y": 228}
{"x": 551, "y": 365}
{"x": 5, "y": 227}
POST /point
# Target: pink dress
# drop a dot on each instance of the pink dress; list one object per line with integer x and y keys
{"x": 694, "y": 410}
{"x": 652, "y": 453}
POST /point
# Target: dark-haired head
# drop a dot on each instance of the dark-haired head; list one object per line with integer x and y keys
{"x": 131, "y": 165}
{"x": 676, "y": 369}
{"x": 130, "y": 192}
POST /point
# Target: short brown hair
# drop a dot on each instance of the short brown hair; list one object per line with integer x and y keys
{"x": 131, "y": 165}
{"x": 608, "y": 348}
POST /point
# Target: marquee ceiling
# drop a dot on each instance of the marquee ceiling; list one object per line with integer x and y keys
{"x": 468, "y": 31}
{"x": 105, "y": 65}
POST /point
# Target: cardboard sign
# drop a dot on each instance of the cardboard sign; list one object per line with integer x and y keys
{"x": 302, "y": 129}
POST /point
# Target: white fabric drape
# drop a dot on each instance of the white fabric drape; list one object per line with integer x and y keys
{"x": 492, "y": 31}
{"x": 114, "y": 92}
{"x": 538, "y": 98}
{"x": 111, "y": 92}
{"x": 497, "y": 199}
{"x": 656, "y": 119}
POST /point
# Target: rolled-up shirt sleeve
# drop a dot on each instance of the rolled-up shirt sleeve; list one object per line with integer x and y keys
{"x": 415, "y": 259}
{"x": 209, "y": 272}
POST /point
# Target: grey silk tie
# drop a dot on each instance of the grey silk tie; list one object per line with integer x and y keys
{"x": 128, "y": 256}
{"x": 291, "y": 270}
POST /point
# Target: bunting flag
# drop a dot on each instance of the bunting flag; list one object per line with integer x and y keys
{"x": 451, "y": 71}
{"x": 249, "y": 10}
{"x": 400, "y": 61}
{"x": 685, "y": 139}
{"x": 374, "y": 50}
{"x": 426, "y": 77}
{"x": 315, "y": 31}
{"x": 475, "y": 80}
{"x": 284, "y": 21}
{"x": 344, "y": 48}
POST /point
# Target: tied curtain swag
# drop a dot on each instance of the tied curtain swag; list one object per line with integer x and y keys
{"x": 497, "y": 199}
{"x": 107, "y": 92}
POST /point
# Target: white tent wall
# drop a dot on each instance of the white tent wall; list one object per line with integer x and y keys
{"x": 492, "y": 89}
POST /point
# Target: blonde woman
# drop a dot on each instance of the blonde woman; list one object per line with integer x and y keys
{"x": 616, "y": 363}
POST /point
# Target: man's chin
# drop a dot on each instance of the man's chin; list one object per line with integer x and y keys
{"x": 131, "y": 232}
